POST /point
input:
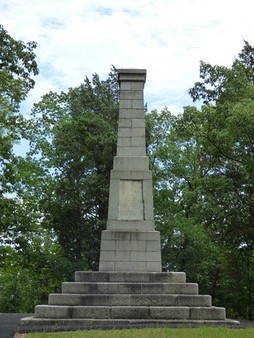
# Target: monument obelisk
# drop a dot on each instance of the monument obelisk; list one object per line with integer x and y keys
{"x": 130, "y": 242}
{"x": 129, "y": 290}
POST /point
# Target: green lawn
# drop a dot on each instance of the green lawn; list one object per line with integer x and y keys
{"x": 202, "y": 332}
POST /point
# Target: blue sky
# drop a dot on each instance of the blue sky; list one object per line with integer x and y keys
{"x": 169, "y": 38}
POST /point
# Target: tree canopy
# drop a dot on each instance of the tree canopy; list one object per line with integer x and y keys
{"x": 75, "y": 135}
{"x": 17, "y": 68}
{"x": 203, "y": 166}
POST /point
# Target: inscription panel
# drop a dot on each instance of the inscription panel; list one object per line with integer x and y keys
{"x": 131, "y": 204}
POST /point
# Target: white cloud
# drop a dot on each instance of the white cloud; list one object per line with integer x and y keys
{"x": 167, "y": 37}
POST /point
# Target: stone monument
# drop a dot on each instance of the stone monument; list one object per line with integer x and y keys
{"x": 130, "y": 242}
{"x": 129, "y": 290}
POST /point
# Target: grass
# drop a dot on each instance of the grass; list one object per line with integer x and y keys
{"x": 201, "y": 332}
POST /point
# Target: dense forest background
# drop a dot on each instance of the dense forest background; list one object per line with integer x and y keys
{"x": 53, "y": 200}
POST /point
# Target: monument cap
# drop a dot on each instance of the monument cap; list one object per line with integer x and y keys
{"x": 131, "y": 74}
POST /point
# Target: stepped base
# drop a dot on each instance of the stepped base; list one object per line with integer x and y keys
{"x": 107, "y": 300}
{"x": 32, "y": 324}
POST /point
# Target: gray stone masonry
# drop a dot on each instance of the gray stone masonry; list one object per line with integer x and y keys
{"x": 124, "y": 300}
{"x": 130, "y": 242}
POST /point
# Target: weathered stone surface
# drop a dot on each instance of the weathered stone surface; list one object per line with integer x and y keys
{"x": 137, "y": 113}
{"x": 140, "y": 310}
{"x": 124, "y": 123}
{"x": 170, "y": 288}
{"x": 170, "y": 312}
{"x": 108, "y": 300}
{"x": 136, "y": 266}
{"x": 168, "y": 277}
{"x": 208, "y": 313}
{"x": 131, "y": 94}
{"x": 194, "y": 300}
{"x": 129, "y": 300}
{"x": 153, "y": 300}
{"x": 122, "y": 256}
{"x": 152, "y": 245}
{"x": 130, "y": 235}
{"x": 124, "y": 132}
{"x": 124, "y": 142}
{"x": 133, "y": 77}
{"x": 137, "y": 141}
{"x": 31, "y": 324}
{"x": 131, "y": 192}
{"x": 136, "y": 163}
{"x": 101, "y": 288}
{"x": 138, "y": 123}
{"x": 133, "y": 266}
{"x": 187, "y": 288}
{"x": 130, "y": 151}
{"x": 98, "y": 312}
{"x": 135, "y": 225}
{"x": 130, "y": 312}
{"x": 131, "y": 174}
{"x": 108, "y": 245}
{"x": 127, "y": 288}
{"x": 65, "y": 299}
{"x": 153, "y": 256}
{"x": 141, "y": 277}
{"x": 125, "y": 104}
{"x": 131, "y": 245}
{"x": 127, "y": 132}
{"x": 130, "y": 202}
{"x": 47, "y": 311}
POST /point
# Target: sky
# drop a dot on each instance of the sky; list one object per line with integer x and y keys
{"x": 169, "y": 38}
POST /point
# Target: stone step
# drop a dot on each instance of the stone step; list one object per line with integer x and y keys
{"x": 129, "y": 300}
{"x": 32, "y": 324}
{"x": 133, "y": 277}
{"x": 129, "y": 288}
{"x": 129, "y": 312}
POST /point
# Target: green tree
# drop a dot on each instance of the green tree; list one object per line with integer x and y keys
{"x": 74, "y": 134}
{"x": 204, "y": 188}
{"x": 17, "y": 67}
{"x": 24, "y": 254}
{"x": 177, "y": 171}
{"x": 29, "y": 273}
{"x": 225, "y": 129}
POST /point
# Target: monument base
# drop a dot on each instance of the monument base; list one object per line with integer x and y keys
{"x": 107, "y": 300}
{"x": 31, "y": 324}
{"x": 130, "y": 251}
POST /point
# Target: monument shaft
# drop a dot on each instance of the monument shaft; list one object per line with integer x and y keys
{"x": 130, "y": 242}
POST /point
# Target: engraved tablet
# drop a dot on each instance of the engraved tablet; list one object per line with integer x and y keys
{"x": 131, "y": 204}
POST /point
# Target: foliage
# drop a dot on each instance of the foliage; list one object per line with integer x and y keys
{"x": 204, "y": 184}
{"x": 74, "y": 134}
{"x": 17, "y": 65}
{"x": 27, "y": 276}
{"x": 27, "y": 263}
{"x": 186, "y": 245}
